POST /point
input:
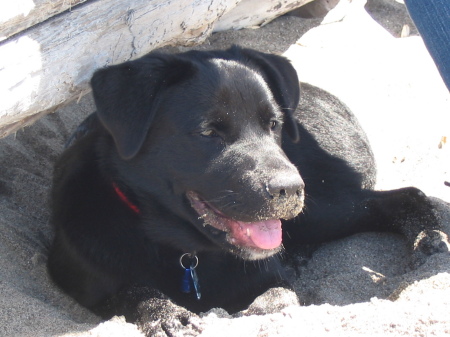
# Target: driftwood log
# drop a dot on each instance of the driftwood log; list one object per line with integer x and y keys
{"x": 49, "y": 49}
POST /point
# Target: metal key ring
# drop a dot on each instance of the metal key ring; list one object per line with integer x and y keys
{"x": 192, "y": 256}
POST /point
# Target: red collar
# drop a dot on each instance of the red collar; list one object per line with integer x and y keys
{"x": 124, "y": 198}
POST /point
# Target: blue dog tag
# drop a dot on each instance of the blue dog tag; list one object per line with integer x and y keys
{"x": 190, "y": 277}
{"x": 186, "y": 282}
{"x": 196, "y": 283}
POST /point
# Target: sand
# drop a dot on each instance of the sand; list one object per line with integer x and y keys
{"x": 366, "y": 284}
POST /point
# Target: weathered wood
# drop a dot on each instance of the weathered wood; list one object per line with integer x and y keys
{"x": 50, "y": 64}
{"x": 18, "y": 15}
{"x": 255, "y": 13}
{"x": 53, "y": 62}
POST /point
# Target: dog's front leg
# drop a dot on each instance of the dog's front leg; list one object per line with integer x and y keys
{"x": 151, "y": 310}
{"x": 161, "y": 317}
{"x": 419, "y": 218}
{"x": 407, "y": 211}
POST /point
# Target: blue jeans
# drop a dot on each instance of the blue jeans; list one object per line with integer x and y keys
{"x": 432, "y": 19}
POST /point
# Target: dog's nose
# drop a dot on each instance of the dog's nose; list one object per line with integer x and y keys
{"x": 285, "y": 185}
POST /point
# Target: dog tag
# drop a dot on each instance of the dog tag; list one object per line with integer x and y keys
{"x": 194, "y": 277}
{"x": 186, "y": 282}
{"x": 190, "y": 276}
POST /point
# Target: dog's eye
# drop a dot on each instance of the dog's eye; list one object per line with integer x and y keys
{"x": 273, "y": 125}
{"x": 209, "y": 133}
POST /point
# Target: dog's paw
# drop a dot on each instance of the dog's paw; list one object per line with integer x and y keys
{"x": 430, "y": 242}
{"x": 160, "y": 317}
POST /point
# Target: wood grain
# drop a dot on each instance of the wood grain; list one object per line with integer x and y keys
{"x": 18, "y": 15}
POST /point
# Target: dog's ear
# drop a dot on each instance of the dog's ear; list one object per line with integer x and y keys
{"x": 282, "y": 79}
{"x": 127, "y": 96}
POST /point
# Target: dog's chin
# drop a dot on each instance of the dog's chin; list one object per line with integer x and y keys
{"x": 252, "y": 254}
{"x": 248, "y": 240}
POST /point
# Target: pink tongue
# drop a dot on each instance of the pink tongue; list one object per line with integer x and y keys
{"x": 263, "y": 235}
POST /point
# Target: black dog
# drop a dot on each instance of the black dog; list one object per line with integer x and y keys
{"x": 186, "y": 171}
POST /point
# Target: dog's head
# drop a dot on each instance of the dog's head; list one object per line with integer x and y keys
{"x": 198, "y": 135}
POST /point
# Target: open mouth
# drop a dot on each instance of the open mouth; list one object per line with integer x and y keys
{"x": 263, "y": 235}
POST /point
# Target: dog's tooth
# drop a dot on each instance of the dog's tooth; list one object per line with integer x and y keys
{"x": 248, "y": 232}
